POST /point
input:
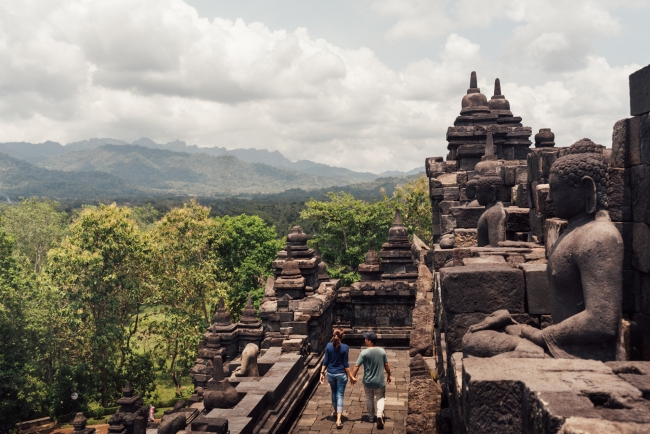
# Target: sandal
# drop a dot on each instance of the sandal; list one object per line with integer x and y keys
{"x": 339, "y": 425}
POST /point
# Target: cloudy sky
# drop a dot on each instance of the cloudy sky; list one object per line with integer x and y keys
{"x": 364, "y": 84}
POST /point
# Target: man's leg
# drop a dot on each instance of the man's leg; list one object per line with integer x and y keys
{"x": 370, "y": 402}
{"x": 381, "y": 397}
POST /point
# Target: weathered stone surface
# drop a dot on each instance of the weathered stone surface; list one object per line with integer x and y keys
{"x": 643, "y": 323}
{"x": 553, "y": 228}
{"x": 456, "y": 325}
{"x": 626, "y": 229}
{"x": 447, "y": 224}
{"x": 522, "y": 196}
{"x": 625, "y": 144}
{"x": 424, "y": 400}
{"x": 482, "y": 288}
{"x": 538, "y": 295}
{"x": 517, "y": 219}
{"x": 459, "y": 254}
{"x": 441, "y": 257}
{"x": 451, "y": 193}
{"x": 640, "y": 91}
{"x": 538, "y": 391}
{"x": 217, "y": 425}
{"x": 640, "y": 191}
{"x": 492, "y": 259}
{"x": 467, "y": 217}
{"x": 434, "y": 166}
{"x": 172, "y": 423}
{"x": 582, "y": 425}
{"x": 465, "y": 237}
{"x": 641, "y": 247}
{"x": 421, "y": 337}
{"x": 619, "y": 195}
{"x": 540, "y": 196}
{"x": 446, "y": 205}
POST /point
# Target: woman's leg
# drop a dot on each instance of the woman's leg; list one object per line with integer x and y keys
{"x": 331, "y": 379}
{"x": 340, "y": 395}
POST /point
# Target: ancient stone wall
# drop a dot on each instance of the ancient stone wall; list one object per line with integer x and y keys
{"x": 629, "y": 197}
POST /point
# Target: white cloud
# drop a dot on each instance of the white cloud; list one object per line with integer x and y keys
{"x": 75, "y": 69}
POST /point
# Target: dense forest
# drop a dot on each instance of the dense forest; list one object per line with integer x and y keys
{"x": 96, "y": 294}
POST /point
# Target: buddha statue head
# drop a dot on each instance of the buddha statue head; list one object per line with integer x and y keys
{"x": 488, "y": 188}
{"x": 578, "y": 181}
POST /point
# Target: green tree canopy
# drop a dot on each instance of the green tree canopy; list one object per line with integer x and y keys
{"x": 36, "y": 226}
{"x": 246, "y": 256}
{"x": 102, "y": 269}
{"x": 346, "y": 228}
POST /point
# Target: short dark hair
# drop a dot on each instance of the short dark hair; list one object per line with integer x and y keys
{"x": 572, "y": 168}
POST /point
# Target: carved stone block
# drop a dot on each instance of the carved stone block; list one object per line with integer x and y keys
{"x": 640, "y": 91}
{"x": 619, "y": 195}
{"x": 467, "y": 217}
{"x": 538, "y": 294}
{"x": 640, "y": 190}
{"x": 482, "y": 288}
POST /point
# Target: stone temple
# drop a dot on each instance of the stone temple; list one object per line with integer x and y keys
{"x": 529, "y": 314}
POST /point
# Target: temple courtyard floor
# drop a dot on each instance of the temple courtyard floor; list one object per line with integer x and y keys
{"x": 315, "y": 417}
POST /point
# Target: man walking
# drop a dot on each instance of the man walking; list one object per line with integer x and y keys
{"x": 374, "y": 363}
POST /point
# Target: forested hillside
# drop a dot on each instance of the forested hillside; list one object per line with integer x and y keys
{"x": 19, "y": 178}
{"x": 161, "y": 171}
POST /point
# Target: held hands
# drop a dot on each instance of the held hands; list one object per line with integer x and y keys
{"x": 353, "y": 380}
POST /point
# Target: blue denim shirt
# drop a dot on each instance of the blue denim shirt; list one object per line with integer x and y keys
{"x": 336, "y": 360}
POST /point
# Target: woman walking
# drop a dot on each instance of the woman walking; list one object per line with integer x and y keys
{"x": 338, "y": 372}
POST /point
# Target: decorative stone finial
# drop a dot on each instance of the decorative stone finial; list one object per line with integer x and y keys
{"x": 490, "y": 150}
{"x": 127, "y": 390}
{"x": 290, "y": 266}
{"x": 221, "y": 316}
{"x": 398, "y": 218}
{"x": 498, "y": 104}
{"x": 79, "y": 422}
{"x": 545, "y": 138}
{"x": 474, "y": 102}
{"x": 249, "y": 314}
{"x": 296, "y": 235}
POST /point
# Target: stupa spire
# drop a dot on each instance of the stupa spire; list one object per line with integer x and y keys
{"x": 472, "y": 81}
{"x": 497, "y": 87}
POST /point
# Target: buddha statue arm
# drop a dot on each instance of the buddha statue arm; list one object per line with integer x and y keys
{"x": 600, "y": 262}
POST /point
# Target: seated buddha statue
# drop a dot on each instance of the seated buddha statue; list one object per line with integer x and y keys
{"x": 584, "y": 271}
{"x": 492, "y": 223}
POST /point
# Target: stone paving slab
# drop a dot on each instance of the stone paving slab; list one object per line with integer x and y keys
{"x": 315, "y": 417}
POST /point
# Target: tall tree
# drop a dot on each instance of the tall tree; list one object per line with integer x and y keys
{"x": 189, "y": 279}
{"x": 101, "y": 267}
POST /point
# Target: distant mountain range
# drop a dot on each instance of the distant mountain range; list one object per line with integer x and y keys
{"x": 35, "y": 153}
{"x": 102, "y": 168}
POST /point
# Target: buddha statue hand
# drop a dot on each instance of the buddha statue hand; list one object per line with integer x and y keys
{"x": 534, "y": 335}
{"x": 498, "y": 320}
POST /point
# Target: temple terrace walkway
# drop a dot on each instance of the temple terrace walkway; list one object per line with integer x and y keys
{"x": 315, "y": 416}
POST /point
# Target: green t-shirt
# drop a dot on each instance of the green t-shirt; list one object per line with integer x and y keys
{"x": 373, "y": 361}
